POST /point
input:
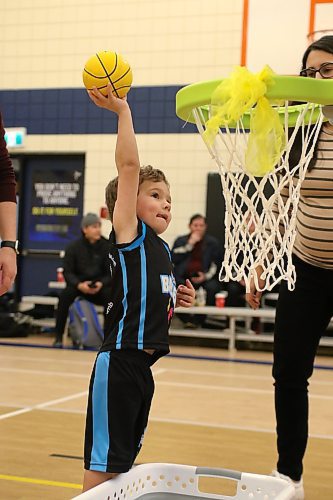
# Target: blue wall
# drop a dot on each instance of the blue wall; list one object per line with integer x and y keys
{"x": 70, "y": 111}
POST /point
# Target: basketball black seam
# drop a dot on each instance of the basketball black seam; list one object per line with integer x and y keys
{"x": 94, "y": 76}
{"x": 105, "y": 76}
{"x": 122, "y": 76}
{"x": 106, "y": 73}
{"x": 102, "y": 77}
{"x": 124, "y": 87}
{"x": 115, "y": 66}
{"x": 118, "y": 88}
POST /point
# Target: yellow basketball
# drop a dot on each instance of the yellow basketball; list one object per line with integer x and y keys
{"x": 108, "y": 67}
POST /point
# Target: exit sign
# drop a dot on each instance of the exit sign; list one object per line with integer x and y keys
{"x": 14, "y": 137}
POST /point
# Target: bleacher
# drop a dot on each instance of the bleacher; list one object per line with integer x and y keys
{"x": 234, "y": 315}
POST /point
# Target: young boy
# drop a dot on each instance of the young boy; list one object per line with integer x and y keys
{"x": 142, "y": 300}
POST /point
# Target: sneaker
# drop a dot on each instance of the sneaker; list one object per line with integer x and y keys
{"x": 77, "y": 345}
{"x": 298, "y": 485}
{"x": 191, "y": 326}
{"x": 57, "y": 344}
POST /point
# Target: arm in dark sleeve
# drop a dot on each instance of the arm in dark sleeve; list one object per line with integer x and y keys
{"x": 69, "y": 267}
{"x": 7, "y": 176}
{"x": 181, "y": 250}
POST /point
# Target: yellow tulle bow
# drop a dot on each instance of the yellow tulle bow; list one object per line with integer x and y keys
{"x": 245, "y": 92}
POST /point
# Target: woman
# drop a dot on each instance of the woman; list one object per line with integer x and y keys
{"x": 302, "y": 315}
{"x": 7, "y": 217}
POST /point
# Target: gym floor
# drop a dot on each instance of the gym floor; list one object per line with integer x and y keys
{"x": 211, "y": 408}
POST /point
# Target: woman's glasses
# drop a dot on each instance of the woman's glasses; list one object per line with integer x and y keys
{"x": 325, "y": 71}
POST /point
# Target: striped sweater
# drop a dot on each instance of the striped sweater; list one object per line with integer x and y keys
{"x": 314, "y": 225}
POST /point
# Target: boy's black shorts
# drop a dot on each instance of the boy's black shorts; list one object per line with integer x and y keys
{"x": 120, "y": 394}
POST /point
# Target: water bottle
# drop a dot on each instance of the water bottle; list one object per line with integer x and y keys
{"x": 200, "y": 297}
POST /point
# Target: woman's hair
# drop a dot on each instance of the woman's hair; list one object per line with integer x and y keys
{"x": 197, "y": 216}
{"x": 147, "y": 173}
{"x": 325, "y": 44}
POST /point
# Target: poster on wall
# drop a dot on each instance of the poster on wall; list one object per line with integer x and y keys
{"x": 50, "y": 213}
{"x": 56, "y": 205}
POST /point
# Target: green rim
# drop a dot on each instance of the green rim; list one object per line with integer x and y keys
{"x": 286, "y": 88}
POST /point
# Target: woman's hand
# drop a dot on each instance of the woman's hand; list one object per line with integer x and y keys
{"x": 7, "y": 269}
{"x": 254, "y": 296}
{"x": 185, "y": 295}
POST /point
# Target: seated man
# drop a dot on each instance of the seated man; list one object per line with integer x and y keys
{"x": 86, "y": 271}
{"x": 197, "y": 256}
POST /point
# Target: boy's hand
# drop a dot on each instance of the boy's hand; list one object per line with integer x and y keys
{"x": 185, "y": 295}
{"x": 110, "y": 102}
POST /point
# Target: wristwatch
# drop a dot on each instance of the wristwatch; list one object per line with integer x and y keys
{"x": 11, "y": 244}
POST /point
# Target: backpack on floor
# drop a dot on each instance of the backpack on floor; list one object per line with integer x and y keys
{"x": 84, "y": 326}
{"x": 15, "y": 325}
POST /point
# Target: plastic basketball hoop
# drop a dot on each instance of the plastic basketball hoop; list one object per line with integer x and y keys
{"x": 254, "y": 235}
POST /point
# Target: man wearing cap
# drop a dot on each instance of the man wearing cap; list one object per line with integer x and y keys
{"x": 86, "y": 271}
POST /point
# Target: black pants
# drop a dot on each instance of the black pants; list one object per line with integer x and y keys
{"x": 302, "y": 316}
{"x": 67, "y": 297}
{"x": 120, "y": 394}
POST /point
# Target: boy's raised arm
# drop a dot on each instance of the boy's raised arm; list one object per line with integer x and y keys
{"x": 128, "y": 166}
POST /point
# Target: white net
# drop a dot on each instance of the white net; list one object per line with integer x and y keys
{"x": 260, "y": 221}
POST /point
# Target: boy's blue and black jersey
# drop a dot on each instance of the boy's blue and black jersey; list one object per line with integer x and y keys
{"x": 143, "y": 294}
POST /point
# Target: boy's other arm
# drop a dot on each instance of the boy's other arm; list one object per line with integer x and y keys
{"x": 185, "y": 295}
{"x": 128, "y": 165}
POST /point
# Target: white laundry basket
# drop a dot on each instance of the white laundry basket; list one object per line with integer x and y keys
{"x": 172, "y": 481}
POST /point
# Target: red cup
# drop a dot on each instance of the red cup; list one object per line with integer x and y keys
{"x": 220, "y": 299}
{"x": 60, "y": 275}
{"x": 103, "y": 213}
